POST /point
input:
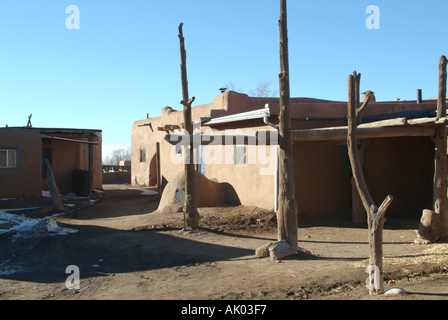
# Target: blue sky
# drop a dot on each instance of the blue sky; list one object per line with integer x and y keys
{"x": 124, "y": 60}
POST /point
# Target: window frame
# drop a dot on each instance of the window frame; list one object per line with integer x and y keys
{"x": 245, "y": 155}
{"x": 142, "y": 155}
{"x": 7, "y": 150}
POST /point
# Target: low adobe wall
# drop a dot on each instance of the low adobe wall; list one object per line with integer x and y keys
{"x": 117, "y": 177}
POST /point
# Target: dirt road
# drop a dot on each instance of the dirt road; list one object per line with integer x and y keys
{"x": 126, "y": 250}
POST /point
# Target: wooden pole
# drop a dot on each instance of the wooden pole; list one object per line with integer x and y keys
{"x": 358, "y": 212}
{"x": 287, "y": 207}
{"x": 375, "y": 215}
{"x": 91, "y": 166}
{"x": 159, "y": 177}
{"x": 440, "y": 163}
{"x": 54, "y": 190}
{"x": 191, "y": 215}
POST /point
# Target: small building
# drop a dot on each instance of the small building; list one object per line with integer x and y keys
{"x": 74, "y": 154}
{"x": 402, "y": 166}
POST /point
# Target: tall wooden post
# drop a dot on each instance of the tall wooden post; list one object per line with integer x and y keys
{"x": 440, "y": 164}
{"x": 191, "y": 215}
{"x": 287, "y": 207}
{"x": 375, "y": 215}
{"x": 358, "y": 211}
{"x": 159, "y": 178}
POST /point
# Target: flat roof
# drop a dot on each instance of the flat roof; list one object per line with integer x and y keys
{"x": 57, "y": 130}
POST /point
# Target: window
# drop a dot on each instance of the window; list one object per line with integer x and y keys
{"x": 8, "y": 159}
{"x": 201, "y": 156}
{"x": 142, "y": 155}
{"x": 178, "y": 149}
{"x": 240, "y": 155}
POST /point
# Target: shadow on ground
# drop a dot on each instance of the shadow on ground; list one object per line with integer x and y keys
{"x": 98, "y": 250}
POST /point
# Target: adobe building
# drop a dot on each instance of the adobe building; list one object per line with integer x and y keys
{"x": 401, "y": 165}
{"x": 74, "y": 154}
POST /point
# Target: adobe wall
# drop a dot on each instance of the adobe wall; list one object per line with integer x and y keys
{"x": 338, "y": 109}
{"x": 404, "y": 168}
{"x": 83, "y": 162}
{"x": 143, "y": 138}
{"x": 65, "y": 156}
{"x": 250, "y": 184}
{"x": 117, "y": 177}
{"x": 322, "y": 184}
{"x": 25, "y": 181}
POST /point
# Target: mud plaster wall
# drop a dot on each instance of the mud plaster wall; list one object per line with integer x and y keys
{"x": 322, "y": 185}
{"x": 250, "y": 184}
{"x": 404, "y": 168}
{"x": 25, "y": 181}
{"x": 144, "y": 137}
{"x": 83, "y": 160}
{"x": 65, "y": 156}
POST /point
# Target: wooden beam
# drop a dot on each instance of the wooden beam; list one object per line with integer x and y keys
{"x": 66, "y": 139}
{"x": 338, "y": 133}
{"x": 168, "y": 127}
{"x": 314, "y": 136}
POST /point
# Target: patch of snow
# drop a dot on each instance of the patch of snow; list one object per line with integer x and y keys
{"x": 7, "y": 271}
{"x": 146, "y": 192}
{"x": 4, "y": 199}
{"x": 73, "y": 195}
{"x": 24, "y": 227}
{"x": 20, "y": 209}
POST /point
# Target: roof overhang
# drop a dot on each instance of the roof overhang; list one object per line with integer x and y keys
{"x": 255, "y": 114}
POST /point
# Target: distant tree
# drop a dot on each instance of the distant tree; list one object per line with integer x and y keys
{"x": 114, "y": 158}
{"x": 230, "y": 86}
{"x": 261, "y": 90}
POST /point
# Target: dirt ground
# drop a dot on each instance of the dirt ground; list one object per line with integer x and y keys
{"x": 126, "y": 250}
